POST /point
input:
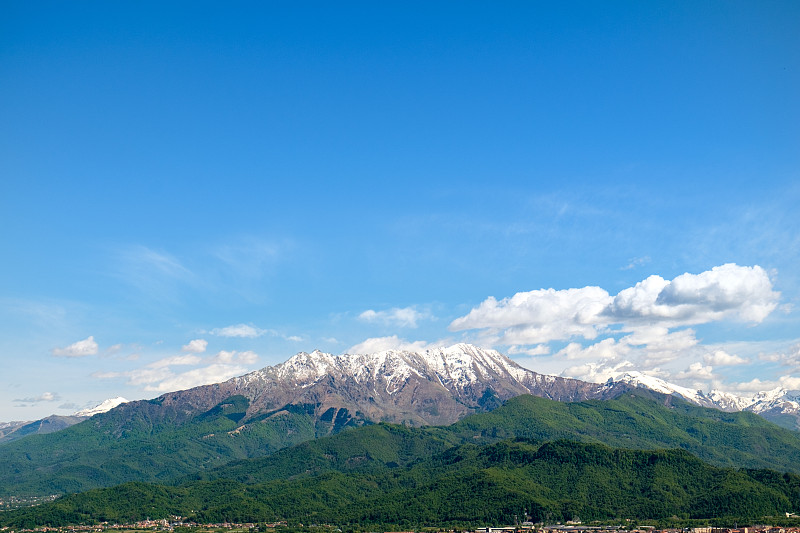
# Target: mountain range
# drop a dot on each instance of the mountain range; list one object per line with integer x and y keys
{"x": 530, "y": 459}
{"x": 312, "y": 395}
{"x": 436, "y": 386}
{"x": 778, "y": 405}
{"x": 16, "y": 430}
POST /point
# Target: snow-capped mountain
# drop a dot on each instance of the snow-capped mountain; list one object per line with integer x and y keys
{"x": 10, "y": 431}
{"x": 777, "y": 405}
{"x": 640, "y": 380}
{"x": 103, "y": 407}
{"x": 435, "y": 386}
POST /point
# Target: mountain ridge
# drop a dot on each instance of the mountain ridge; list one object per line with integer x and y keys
{"x": 778, "y": 405}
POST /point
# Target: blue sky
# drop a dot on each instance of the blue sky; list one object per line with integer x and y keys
{"x": 189, "y": 191}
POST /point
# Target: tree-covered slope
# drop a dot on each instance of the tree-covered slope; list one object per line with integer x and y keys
{"x": 133, "y": 445}
{"x": 467, "y": 484}
{"x": 154, "y": 449}
{"x": 644, "y": 419}
{"x": 640, "y": 419}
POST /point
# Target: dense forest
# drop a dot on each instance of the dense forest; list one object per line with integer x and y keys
{"x": 500, "y": 483}
{"x": 637, "y": 457}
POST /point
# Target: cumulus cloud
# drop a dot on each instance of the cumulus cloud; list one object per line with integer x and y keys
{"x": 696, "y": 371}
{"x": 723, "y": 358}
{"x": 727, "y": 291}
{"x": 82, "y": 348}
{"x": 44, "y": 397}
{"x": 540, "y": 316}
{"x": 380, "y": 344}
{"x": 239, "y": 330}
{"x": 401, "y": 317}
{"x": 606, "y": 350}
{"x": 195, "y": 346}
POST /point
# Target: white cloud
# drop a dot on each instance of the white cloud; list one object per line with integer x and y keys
{"x": 696, "y": 371}
{"x": 380, "y": 344}
{"x": 214, "y": 373}
{"x": 401, "y": 317}
{"x": 606, "y": 350}
{"x": 158, "y": 274}
{"x": 637, "y": 262}
{"x": 648, "y": 311}
{"x": 176, "y": 360}
{"x": 159, "y": 375}
{"x": 195, "y": 346}
{"x": 539, "y": 349}
{"x": 44, "y": 397}
{"x": 723, "y": 358}
{"x": 597, "y": 371}
{"x": 82, "y": 348}
{"x": 659, "y": 345}
{"x": 539, "y": 316}
{"x": 724, "y": 291}
{"x": 113, "y": 350}
{"x": 239, "y": 330}
{"x": 226, "y": 357}
{"x": 789, "y": 359}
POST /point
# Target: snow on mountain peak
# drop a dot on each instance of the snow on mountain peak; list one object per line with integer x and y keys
{"x": 459, "y": 364}
{"x": 639, "y": 379}
{"x": 104, "y": 406}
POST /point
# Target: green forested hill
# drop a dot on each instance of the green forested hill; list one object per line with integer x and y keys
{"x": 464, "y": 485}
{"x": 644, "y": 419}
{"x": 637, "y": 420}
{"x": 136, "y": 445}
{"x": 105, "y": 451}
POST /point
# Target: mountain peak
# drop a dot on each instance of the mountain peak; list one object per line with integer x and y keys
{"x": 640, "y": 379}
{"x": 104, "y": 406}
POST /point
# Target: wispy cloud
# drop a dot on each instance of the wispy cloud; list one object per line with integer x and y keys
{"x": 82, "y": 348}
{"x": 44, "y": 397}
{"x": 239, "y": 330}
{"x": 637, "y": 262}
{"x": 249, "y": 331}
{"x": 158, "y": 274}
{"x": 162, "y": 376}
{"x": 251, "y": 257}
{"x": 396, "y": 316}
